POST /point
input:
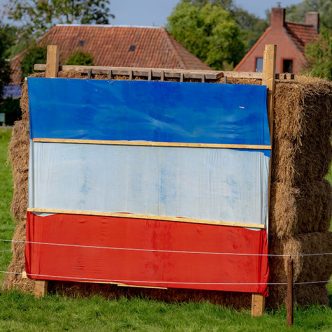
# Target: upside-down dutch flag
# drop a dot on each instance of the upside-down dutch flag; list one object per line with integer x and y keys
{"x": 157, "y": 184}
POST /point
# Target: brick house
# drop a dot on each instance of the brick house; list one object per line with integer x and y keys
{"x": 117, "y": 46}
{"x": 290, "y": 38}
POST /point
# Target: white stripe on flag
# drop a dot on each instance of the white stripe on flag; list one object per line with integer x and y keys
{"x": 211, "y": 184}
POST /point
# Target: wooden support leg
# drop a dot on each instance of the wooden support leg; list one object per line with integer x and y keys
{"x": 257, "y": 305}
{"x": 41, "y": 288}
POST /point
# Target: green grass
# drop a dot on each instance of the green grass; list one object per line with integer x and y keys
{"x": 22, "y": 312}
{"x": 329, "y": 175}
{"x": 25, "y": 313}
{"x": 6, "y": 223}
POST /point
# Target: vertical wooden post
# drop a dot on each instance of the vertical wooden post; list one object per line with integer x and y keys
{"x": 52, "y": 68}
{"x": 257, "y": 305}
{"x": 269, "y": 64}
{"x": 290, "y": 292}
{"x": 52, "y": 62}
{"x": 41, "y": 288}
{"x": 269, "y": 61}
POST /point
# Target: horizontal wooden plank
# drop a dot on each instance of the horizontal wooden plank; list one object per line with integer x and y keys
{"x": 165, "y": 73}
{"x": 116, "y": 284}
{"x": 142, "y": 72}
{"x": 150, "y": 217}
{"x": 137, "y": 286}
{"x": 146, "y": 143}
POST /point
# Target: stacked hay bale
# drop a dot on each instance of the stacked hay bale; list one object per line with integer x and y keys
{"x": 18, "y": 156}
{"x": 300, "y": 198}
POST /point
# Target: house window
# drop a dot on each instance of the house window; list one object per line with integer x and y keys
{"x": 259, "y": 65}
{"x": 287, "y": 66}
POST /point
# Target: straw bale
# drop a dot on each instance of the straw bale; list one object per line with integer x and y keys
{"x": 237, "y": 80}
{"x": 301, "y": 160}
{"x": 306, "y": 268}
{"x": 304, "y": 295}
{"x": 303, "y": 209}
{"x": 12, "y": 279}
{"x": 303, "y": 109}
{"x": 19, "y": 159}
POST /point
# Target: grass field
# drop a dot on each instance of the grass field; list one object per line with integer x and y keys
{"x": 6, "y": 223}
{"x": 22, "y": 312}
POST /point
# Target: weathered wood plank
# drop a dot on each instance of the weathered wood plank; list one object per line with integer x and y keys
{"x": 147, "y": 143}
{"x": 257, "y": 305}
{"x": 149, "y": 217}
{"x": 52, "y": 65}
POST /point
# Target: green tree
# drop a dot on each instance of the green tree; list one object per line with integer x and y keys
{"x": 80, "y": 58}
{"x": 5, "y": 42}
{"x": 296, "y": 13}
{"x": 12, "y": 110}
{"x": 20, "y": 39}
{"x": 208, "y": 31}
{"x": 35, "y": 54}
{"x": 40, "y": 15}
{"x": 252, "y": 26}
{"x": 319, "y": 56}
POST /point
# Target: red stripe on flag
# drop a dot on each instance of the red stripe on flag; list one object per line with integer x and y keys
{"x": 146, "y": 253}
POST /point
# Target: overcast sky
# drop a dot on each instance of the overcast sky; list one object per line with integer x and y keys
{"x": 155, "y": 12}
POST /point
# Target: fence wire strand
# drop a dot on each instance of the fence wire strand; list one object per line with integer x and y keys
{"x": 163, "y": 250}
{"x": 72, "y": 278}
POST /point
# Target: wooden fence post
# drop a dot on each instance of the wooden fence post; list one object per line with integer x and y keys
{"x": 52, "y": 68}
{"x": 269, "y": 61}
{"x": 290, "y": 292}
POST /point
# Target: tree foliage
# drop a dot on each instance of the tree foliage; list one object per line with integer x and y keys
{"x": 35, "y": 54}
{"x": 5, "y": 43}
{"x": 318, "y": 53}
{"x": 319, "y": 56}
{"x": 296, "y": 13}
{"x": 208, "y": 31}
{"x": 251, "y": 26}
{"x": 11, "y": 108}
{"x": 191, "y": 23}
{"x": 80, "y": 58}
{"x": 39, "y": 15}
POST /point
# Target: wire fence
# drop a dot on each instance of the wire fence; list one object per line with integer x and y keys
{"x": 75, "y": 278}
{"x": 164, "y": 250}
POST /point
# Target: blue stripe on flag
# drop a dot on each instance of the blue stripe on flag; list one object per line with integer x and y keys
{"x": 148, "y": 111}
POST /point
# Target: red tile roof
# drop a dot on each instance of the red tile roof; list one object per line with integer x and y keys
{"x": 148, "y": 47}
{"x": 301, "y": 34}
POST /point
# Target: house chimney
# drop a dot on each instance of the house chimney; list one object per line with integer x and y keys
{"x": 312, "y": 18}
{"x": 277, "y": 17}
